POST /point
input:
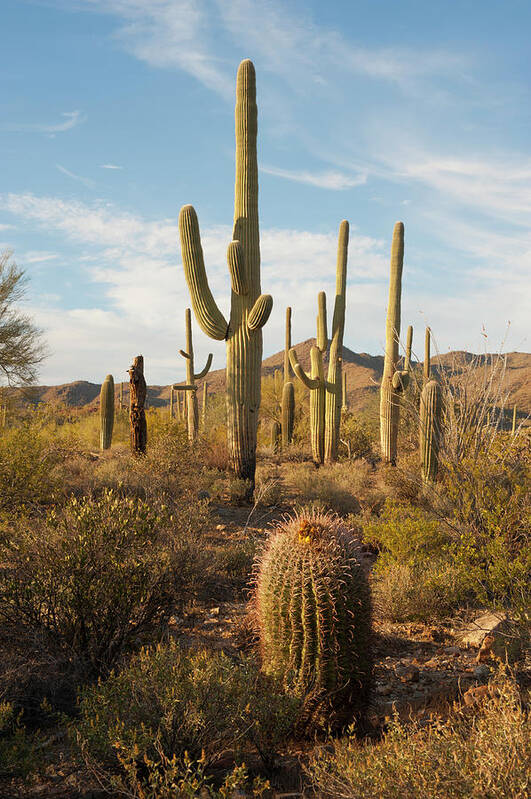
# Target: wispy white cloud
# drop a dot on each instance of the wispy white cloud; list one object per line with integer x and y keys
{"x": 85, "y": 181}
{"x": 37, "y": 257}
{"x": 70, "y": 120}
{"x": 110, "y": 166}
{"x": 337, "y": 181}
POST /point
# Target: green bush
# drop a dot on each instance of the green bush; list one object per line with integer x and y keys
{"x": 27, "y": 469}
{"x": 85, "y": 585}
{"x": 17, "y": 752}
{"x": 169, "y": 703}
{"x": 356, "y": 437}
{"x": 477, "y": 753}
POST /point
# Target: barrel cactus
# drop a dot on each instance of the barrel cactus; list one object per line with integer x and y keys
{"x": 106, "y": 412}
{"x": 313, "y": 614}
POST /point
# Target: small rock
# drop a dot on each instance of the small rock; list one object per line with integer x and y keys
{"x": 214, "y": 611}
{"x": 482, "y": 672}
{"x": 203, "y": 494}
{"x": 476, "y": 695}
{"x": 451, "y": 650}
{"x": 436, "y": 634}
{"x": 407, "y": 673}
{"x": 385, "y": 689}
{"x": 220, "y": 527}
{"x": 485, "y": 650}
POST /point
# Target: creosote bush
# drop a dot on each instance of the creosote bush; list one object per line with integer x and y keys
{"x": 477, "y": 753}
{"x": 169, "y": 703}
{"x": 28, "y": 461}
{"x": 82, "y": 587}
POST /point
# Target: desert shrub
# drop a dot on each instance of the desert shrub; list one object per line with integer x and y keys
{"x": 168, "y": 703}
{"x": 335, "y": 487}
{"x": 27, "y": 469}
{"x": 405, "y": 534}
{"x": 419, "y": 592}
{"x": 477, "y": 753}
{"x": 17, "y": 750}
{"x": 86, "y": 584}
{"x": 356, "y": 437}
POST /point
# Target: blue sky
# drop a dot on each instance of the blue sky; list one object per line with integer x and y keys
{"x": 115, "y": 113}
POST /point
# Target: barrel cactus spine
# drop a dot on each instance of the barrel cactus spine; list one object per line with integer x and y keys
{"x": 394, "y": 381}
{"x": 313, "y": 615}
{"x": 315, "y": 381}
{"x": 334, "y": 383}
{"x": 106, "y": 412}
{"x": 250, "y": 309}
{"x": 192, "y": 416}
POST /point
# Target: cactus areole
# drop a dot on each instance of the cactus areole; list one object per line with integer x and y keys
{"x": 249, "y": 309}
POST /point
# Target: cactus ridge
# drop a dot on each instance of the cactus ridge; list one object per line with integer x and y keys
{"x": 313, "y": 613}
{"x": 106, "y": 412}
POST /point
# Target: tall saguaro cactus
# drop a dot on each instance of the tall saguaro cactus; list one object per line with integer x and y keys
{"x": 427, "y": 360}
{"x": 394, "y": 381}
{"x": 288, "y": 391}
{"x": 430, "y": 418}
{"x": 250, "y": 309}
{"x": 106, "y": 412}
{"x": 192, "y": 410}
{"x": 315, "y": 381}
{"x": 334, "y": 384}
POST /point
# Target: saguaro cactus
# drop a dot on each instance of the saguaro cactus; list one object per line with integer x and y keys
{"x": 315, "y": 381}
{"x": 313, "y": 617}
{"x": 430, "y": 429}
{"x": 335, "y": 360}
{"x": 204, "y": 406}
{"x": 288, "y": 392}
{"x": 344, "y": 395}
{"x": 172, "y": 394}
{"x": 192, "y": 416}
{"x": 513, "y": 427}
{"x": 137, "y": 399}
{"x": 394, "y": 381}
{"x": 275, "y": 436}
{"x": 250, "y": 310}
{"x": 106, "y": 412}
{"x": 427, "y": 359}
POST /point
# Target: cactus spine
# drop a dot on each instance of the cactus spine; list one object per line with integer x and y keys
{"x": 334, "y": 383}
{"x": 313, "y": 616}
{"x": 393, "y": 381}
{"x": 192, "y": 410}
{"x": 106, "y": 412}
{"x": 249, "y": 309}
{"x": 288, "y": 392}
{"x": 315, "y": 381}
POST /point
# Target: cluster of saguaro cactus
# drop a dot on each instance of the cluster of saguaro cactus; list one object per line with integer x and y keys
{"x": 250, "y": 309}
{"x": 192, "y": 408}
{"x": 326, "y": 395}
{"x": 106, "y": 412}
{"x": 313, "y": 615}
{"x": 430, "y": 419}
{"x": 394, "y": 381}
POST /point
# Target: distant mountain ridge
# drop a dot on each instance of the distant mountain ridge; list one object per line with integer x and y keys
{"x": 363, "y": 372}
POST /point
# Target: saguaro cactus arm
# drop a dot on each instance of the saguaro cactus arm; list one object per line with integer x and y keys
{"x": 236, "y": 264}
{"x": 427, "y": 357}
{"x": 299, "y": 371}
{"x": 322, "y": 333}
{"x": 207, "y": 313}
{"x": 206, "y": 369}
{"x": 259, "y": 313}
{"x": 409, "y": 344}
{"x": 287, "y": 345}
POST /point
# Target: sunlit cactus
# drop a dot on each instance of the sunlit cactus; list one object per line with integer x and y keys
{"x": 249, "y": 309}
{"x": 430, "y": 429}
{"x": 106, "y": 412}
{"x": 334, "y": 384}
{"x": 192, "y": 411}
{"x": 315, "y": 381}
{"x": 288, "y": 413}
{"x": 394, "y": 381}
{"x": 313, "y": 617}
{"x": 276, "y": 437}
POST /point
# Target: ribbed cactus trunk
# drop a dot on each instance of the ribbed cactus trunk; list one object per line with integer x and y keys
{"x": 430, "y": 429}
{"x": 137, "y": 400}
{"x": 106, "y": 412}
{"x": 190, "y": 389}
{"x": 315, "y": 382}
{"x": 288, "y": 391}
{"x": 334, "y": 383}
{"x": 393, "y": 381}
{"x": 249, "y": 309}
